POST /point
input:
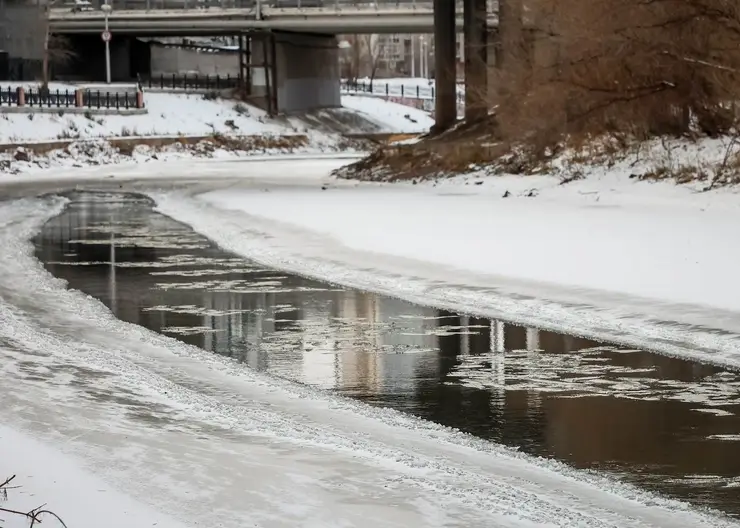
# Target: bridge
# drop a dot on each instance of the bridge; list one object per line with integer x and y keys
{"x": 288, "y": 52}
{"x": 227, "y": 17}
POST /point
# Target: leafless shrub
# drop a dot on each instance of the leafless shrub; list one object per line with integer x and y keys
{"x": 640, "y": 68}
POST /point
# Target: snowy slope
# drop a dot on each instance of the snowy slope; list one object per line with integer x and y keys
{"x": 193, "y": 115}
{"x": 393, "y": 117}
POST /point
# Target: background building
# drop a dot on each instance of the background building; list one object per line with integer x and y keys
{"x": 392, "y": 55}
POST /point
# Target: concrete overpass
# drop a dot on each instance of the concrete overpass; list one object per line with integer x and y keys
{"x": 227, "y": 17}
{"x": 288, "y": 50}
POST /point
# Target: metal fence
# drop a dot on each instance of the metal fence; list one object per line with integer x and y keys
{"x": 8, "y": 97}
{"x": 50, "y": 98}
{"x": 39, "y": 98}
{"x": 386, "y": 89}
{"x": 193, "y": 82}
{"x": 108, "y": 100}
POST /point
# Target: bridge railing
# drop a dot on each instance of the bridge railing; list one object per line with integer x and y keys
{"x": 335, "y": 5}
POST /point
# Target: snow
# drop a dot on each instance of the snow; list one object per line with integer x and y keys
{"x": 191, "y": 115}
{"x": 394, "y": 117}
{"x": 199, "y": 439}
{"x": 45, "y": 477}
{"x": 596, "y": 245}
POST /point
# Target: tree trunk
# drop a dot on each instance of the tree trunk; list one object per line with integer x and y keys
{"x": 45, "y": 63}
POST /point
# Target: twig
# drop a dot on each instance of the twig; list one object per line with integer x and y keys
{"x": 33, "y": 515}
{"x": 723, "y": 166}
{"x": 36, "y": 519}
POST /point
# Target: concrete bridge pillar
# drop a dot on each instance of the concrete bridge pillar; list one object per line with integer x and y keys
{"x": 307, "y": 72}
{"x": 289, "y": 72}
{"x": 445, "y": 110}
{"x": 476, "y": 59}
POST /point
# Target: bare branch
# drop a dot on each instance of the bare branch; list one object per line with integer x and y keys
{"x": 33, "y": 516}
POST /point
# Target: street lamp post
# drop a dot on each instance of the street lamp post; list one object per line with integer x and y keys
{"x": 106, "y": 9}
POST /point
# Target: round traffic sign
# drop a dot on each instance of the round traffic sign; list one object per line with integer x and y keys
{"x": 106, "y": 36}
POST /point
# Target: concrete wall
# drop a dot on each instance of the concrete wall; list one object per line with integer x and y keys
{"x": 308, "y": 73}
{"x": 22, "y": 37}
{"x": 168, "y": 60}
{"x": 21, "y": 30}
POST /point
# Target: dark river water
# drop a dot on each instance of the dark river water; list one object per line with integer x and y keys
{"x": 664, "y": 424}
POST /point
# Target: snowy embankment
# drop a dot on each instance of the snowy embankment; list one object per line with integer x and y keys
{"x": 645, "y": 264}
{"x": 222, "y": 128}
{"x": 198, "y": 115}
{"x": 149, "y": 431}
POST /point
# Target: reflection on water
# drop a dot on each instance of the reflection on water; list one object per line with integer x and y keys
{"x": 663, "y": 423}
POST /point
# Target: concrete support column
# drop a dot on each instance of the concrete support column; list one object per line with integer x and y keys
{"x": 307, "y": 70}
{"x": 476, "y": 60}
{"x": 445, "y": 108}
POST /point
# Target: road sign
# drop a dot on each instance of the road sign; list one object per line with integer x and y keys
{"x": 106, "y": 36}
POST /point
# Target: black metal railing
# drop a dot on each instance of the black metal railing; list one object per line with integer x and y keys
{"x": 9, "y": 97}
{"x": 385, "y": 89}
{"x": 193, "y": 82}
{"x": 39, "y": 98}
{"x": 49, "y": 98}
{"x": 97, "y": 99}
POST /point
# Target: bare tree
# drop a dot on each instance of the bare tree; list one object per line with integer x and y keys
{"x": 363, "y": 55}
{"x": 352, "y": 56}
{"x": 636, "y": 67}
{"x": 373, "y": 51}
{"x": 57, "y": 48}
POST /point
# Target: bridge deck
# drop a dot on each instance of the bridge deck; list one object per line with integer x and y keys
{"x": 193, "y": 17}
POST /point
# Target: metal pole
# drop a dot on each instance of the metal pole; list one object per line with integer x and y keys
{"x": 414, "y": 38}
{"x": 424, "y": 57}
{"x": 107, "y": 44}
{"x": 112, "y": 286}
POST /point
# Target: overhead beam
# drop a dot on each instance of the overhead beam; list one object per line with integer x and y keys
{"x": 218, "y": 25}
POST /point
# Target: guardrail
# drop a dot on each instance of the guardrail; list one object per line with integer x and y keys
{"x": 94, "y": 5}
{"x": 193, "y": 82}
{"x": 80, "y": 98}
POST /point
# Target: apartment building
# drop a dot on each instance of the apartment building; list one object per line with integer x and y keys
{"x": 411, "y": 55}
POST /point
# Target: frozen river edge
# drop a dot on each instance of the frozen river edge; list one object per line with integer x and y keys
{"x": 441, "y": 477}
